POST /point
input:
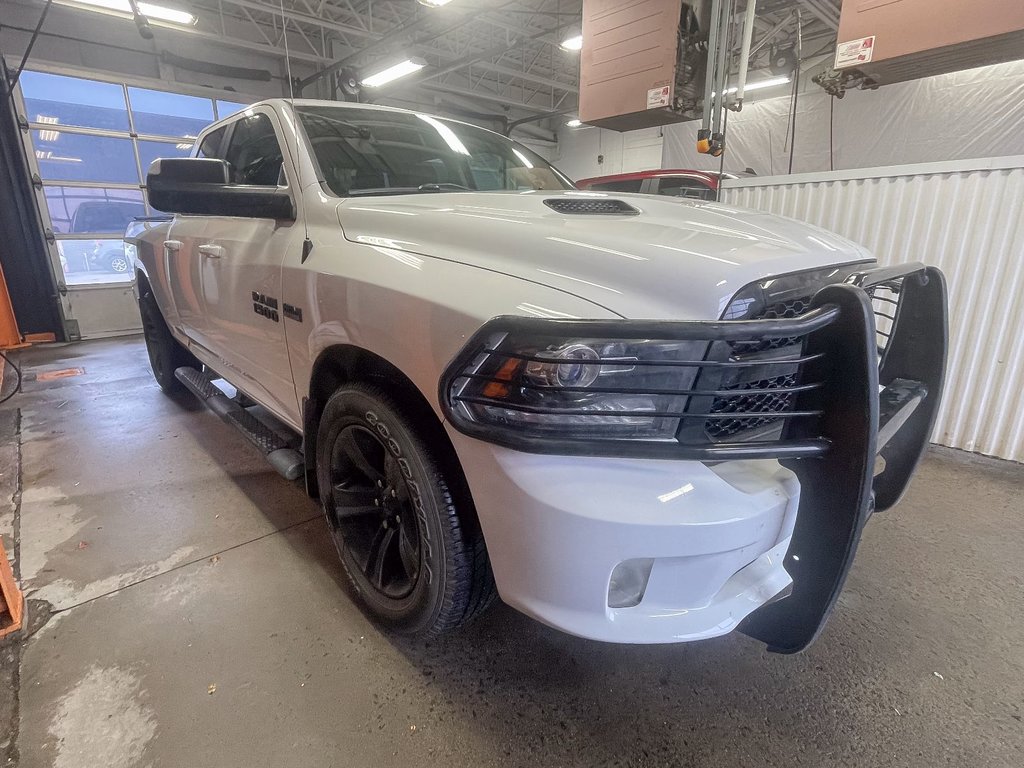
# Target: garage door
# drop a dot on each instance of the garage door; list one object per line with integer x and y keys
{"x": 89, "y": 145}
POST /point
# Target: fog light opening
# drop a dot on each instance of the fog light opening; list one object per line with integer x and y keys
{"x": 629, "y": 582}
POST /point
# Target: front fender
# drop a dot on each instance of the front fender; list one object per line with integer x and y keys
{"x": 413, "y": 312}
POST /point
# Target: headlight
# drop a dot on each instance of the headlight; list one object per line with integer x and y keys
{"x": 534, "y": 380}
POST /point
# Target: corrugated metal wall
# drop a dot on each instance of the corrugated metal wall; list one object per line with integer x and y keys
{"x": 967, "y": 218}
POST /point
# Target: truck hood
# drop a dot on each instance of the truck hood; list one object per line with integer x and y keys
{"x": 675, "y": 259}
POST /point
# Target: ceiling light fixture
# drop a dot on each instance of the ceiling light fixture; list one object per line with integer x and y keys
{"x": 401, "y": 69}
{"x": 767, "y": 83}
{"x": 574, "y": 43}
{"x": 574, "y": 123}
{"x": 45, "y": 135}
{"x": 153, "y": 11}
{"x": 434, "y": 3}
{"x": 771, "y": 81}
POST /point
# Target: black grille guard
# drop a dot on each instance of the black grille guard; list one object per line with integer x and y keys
{"x": 876, "y": 439}
{"x": 852, "y": 443}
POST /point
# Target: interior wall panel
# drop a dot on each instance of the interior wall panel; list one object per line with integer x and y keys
{"x": 965, "y": 218}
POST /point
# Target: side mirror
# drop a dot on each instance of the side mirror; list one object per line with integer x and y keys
{"x": 200, "y": 185}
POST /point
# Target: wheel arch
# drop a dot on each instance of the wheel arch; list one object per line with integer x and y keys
{"x": 342, "y": 364}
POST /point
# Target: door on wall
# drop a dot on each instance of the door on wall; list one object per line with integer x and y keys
{"x": 89, "y": 144}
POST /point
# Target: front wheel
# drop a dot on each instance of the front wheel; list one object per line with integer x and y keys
{"x": 165, "y": 353}
{"x": 418, "y": 566}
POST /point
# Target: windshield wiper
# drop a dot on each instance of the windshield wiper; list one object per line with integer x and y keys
{"x": 431, "y": 187}
{"x": 442, "y": 186}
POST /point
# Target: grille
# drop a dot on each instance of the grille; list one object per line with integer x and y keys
{"x": 761, "y": 402}
{"x": 600, "y": 207}
{"x": 885, "y": 301}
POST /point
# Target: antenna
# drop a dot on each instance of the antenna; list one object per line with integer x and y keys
{"x": 291, "y": 95}
{"x": 307, "y": 244}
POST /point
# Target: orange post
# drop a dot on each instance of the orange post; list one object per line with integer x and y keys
{"x": 10, "y": 336}
{"x": 12, "y": 603}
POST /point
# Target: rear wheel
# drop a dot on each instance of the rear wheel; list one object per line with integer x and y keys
{"x": 165, "y": 353}
{"x": 417, "y": 566}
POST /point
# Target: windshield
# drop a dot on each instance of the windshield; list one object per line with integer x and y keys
{"x": 379, "y": 152}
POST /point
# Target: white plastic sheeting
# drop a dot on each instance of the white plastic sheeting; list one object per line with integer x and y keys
{"x": 970, "y": 114}
{"x": 965, "y": 217}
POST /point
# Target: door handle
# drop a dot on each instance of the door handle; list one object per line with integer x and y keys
{"x": 211, "y": 251}
{"x": 172, "y": 245}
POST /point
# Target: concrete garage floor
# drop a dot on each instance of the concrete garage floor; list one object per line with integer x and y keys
{"x": 201, "y": 619}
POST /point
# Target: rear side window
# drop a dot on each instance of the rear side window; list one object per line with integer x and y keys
{"x": 254, "y": 152}
{"x": 212, "y": 145}
{"x": 685, "y": 187}
{"x": 617, "y": 186}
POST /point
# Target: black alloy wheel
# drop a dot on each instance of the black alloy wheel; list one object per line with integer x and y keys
{"x": 399, "y": 514}
{"x": 374, "y": 512}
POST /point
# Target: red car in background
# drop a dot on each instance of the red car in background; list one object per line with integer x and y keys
{"x": 699, "y": 185}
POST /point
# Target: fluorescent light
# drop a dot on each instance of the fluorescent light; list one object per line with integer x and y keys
{"x": 47, "y": 120}
{"x": 149, "y": 10}
{"x": 771, "y": 81}
{"x": 573, "y": 43}
{"x": 767, "y": 83}
{"x": 434, "y": 3}
{"x": 446, "y": 133}
{"x": 49, "y": 156}
{"x": 574, "y": 123}
{"x": 401, "y": 69}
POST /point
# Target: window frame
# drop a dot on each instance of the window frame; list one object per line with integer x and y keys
{"x": 229, "y": 137}
{"x": 287, "y": 161}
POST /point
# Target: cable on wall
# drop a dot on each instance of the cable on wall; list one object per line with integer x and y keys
{"x": 30, "y": 46}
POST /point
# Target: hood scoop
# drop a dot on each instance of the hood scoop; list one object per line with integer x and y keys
{"x": 591, "y": 207}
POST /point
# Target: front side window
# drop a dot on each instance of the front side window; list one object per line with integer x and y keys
{"x": 254, "y": 152}
{"x": 212, "y": 144}
{"x": 379, "y": 152}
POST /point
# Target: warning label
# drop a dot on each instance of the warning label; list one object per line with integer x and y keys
{"x": 658, "y": 97}
{"x": 855, "y": 52}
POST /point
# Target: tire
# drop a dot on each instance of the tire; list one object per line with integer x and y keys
{"x": 418, "y": 567}
{"x": 165, "y": 353}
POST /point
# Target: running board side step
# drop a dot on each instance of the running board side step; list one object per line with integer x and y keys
{"x": 282, "y": 457}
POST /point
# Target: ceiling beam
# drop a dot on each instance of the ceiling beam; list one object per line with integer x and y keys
{"x": 826, "y": 13}
{"x": 491, "y": 96}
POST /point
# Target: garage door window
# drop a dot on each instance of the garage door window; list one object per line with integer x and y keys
{"x": 92, "y": 143}
{"x": 59, "y": 100}
{"x": 80, "y": 157}
{"x": 92, "y": 210}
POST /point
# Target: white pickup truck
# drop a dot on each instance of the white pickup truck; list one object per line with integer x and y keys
{"x": 638, "y": 419}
